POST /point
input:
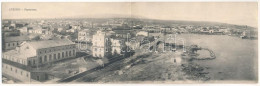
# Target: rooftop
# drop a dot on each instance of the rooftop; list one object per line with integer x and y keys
{"x": 17, "y": 65}
{"x": 49, "y": 43}
{"x": 16, "y": 38}
{"x": 17, "y": 54}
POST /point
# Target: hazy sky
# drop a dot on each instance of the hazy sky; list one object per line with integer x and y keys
{"x": 233, "y": 13}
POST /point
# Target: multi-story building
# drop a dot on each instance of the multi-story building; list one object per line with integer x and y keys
{"x": 36, "y": 30}
{"x": 124, "y": 33}
{"x": 12, "y": 42}
{"x": 22, "y": 72}
{"x": 99, "y": 42}
{"x": 40, "y": 31}
{"x": 117, "y": 45}
{"x": 19, "y": 63}
{"x": 85, "y": 35}
{"x": 36, "y": 53}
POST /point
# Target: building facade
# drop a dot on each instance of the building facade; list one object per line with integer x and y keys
{"x": 22, "y": 72}
{"x": 32, "y": 54}
{"x": 99, "y": 42}
{"x": 12, "y": 42}
{"x": 143, "y": 33}
{"x": 116, "y": 46}
{"x": 84, "y": 36}
{"x": 37, "y": 53}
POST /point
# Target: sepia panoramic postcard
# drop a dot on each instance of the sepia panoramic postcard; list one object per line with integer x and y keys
{"x": 129, "y": 42}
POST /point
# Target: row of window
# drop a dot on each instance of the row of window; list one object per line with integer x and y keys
{"x": 51, "y": 50}
{"x": 84, "y": 38}
{"x": 32, "y": 31}
{"x": 100, "y": 50}
{"x": 13, "y": 69}
{"x": 99, "y": 55}
{"x": 21, "y": 61}
{"x": 14, "y": 44}
{"x": 57, "y": 56}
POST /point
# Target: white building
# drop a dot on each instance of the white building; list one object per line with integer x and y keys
{"x": 116, "y": 46}
{"x": 60, "y": 29}
{"x": 142, "y": 33}
{"x": 71, "y": 30}
{"x": 99, "y": 41}
{"x": 34, "y": 54}
{"x": 23, "y": 30}
{"x": 22, "y": 72}
{"x": 36, "y": 30}
{"x": 85, "y": 35}
{"x": 13, "y": 42}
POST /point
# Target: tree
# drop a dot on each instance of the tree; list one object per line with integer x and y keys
{"x": 37, "y": 38}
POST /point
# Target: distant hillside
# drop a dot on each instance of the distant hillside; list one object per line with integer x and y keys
{"x": 146, "y": 21}
{"x": 197, "y": 23}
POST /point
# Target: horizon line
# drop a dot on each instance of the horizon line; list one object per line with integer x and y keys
{"x": 129, "y": 17}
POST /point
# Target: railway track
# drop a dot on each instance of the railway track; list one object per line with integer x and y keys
{"x": 71, "y": 78}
